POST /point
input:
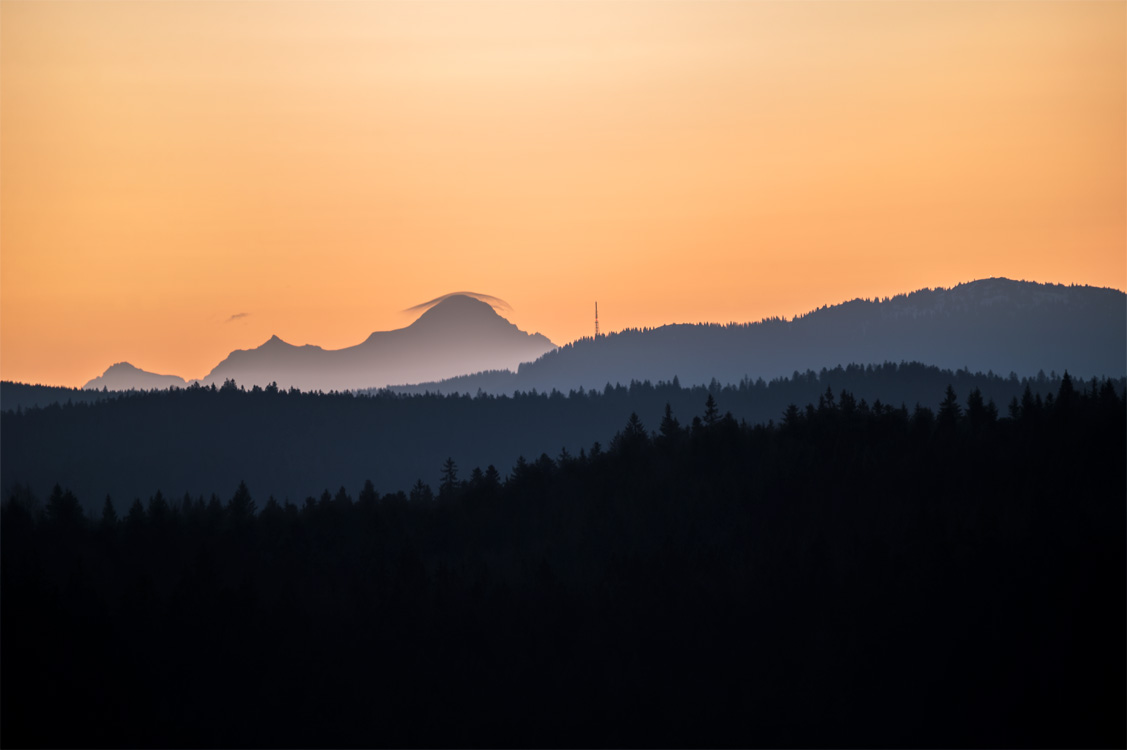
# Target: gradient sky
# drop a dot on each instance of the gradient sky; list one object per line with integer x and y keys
{"x": 183, "y": 178}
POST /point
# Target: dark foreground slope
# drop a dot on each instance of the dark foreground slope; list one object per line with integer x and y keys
{"x": 851, "y": 577}
{"x": 293, "y": 445}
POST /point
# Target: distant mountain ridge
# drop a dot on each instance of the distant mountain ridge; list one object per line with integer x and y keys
{"x": 125, "y": 377}
{"x": 461, "y": 344}
{"x": 993, "y": 324}
{"x": 458, "y": 335}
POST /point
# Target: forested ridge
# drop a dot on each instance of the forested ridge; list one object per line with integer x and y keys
{"x": 987, "y": 324}
{"x": 292, "y": 444}
{"x": 851, "y": 574}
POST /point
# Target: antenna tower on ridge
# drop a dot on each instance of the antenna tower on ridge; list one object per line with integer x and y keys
{"x": 596, "y": 320}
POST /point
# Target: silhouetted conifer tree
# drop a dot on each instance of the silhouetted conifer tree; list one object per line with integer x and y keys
{"x": 342, "y": 501}
{"x": 492, "y": 478}
{"x": 1067, "y": 392}
{"x": 368, "y": 496}
{"x": 241, "y": 507}
{"x": 477, "y": 478}
{"x": 826, "y": 401}
{"x": 271, "y": 512}
{"x": 63, "y": 508}
{"x": 421, "y": 493}
{"x": 711, "y": 412}
{"x": 449, "y": 484}
{"x": 670, "y": 428}
{"x": 215, "y": 512}
{"x": 109, "y": 515}
{"x": 1029, "y": 404}
{"x": 135, "y": 520}
{"x": 949, "y": 411}
{"x": 158, "y": 509}
{"x": 978, "y": 416}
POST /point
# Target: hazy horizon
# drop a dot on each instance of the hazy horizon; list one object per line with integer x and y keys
{"x": 503, "y": 310}
{"x": 467, "y": 337}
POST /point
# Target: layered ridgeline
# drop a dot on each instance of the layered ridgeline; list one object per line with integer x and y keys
{"x": 463, "y": 345}
{"x": 293, "y": 445}
{"x": 994, "y": 325}
{"x": 458, "y": 335}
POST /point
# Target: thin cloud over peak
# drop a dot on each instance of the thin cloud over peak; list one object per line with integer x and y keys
{"x": 237, "y": 316}
{"x": 497, "y": 303}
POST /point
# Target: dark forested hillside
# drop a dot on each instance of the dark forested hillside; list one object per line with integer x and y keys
{"x": 851, "y": 575}
{"x": 292, "y": 445}
{"x": 21, "y": 396}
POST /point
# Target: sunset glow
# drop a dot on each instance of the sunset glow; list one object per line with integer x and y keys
{"x": 180, "y": 179}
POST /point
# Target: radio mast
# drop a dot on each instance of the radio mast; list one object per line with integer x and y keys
{"x": 596, "y": 320}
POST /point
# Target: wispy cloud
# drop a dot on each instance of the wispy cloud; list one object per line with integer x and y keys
{"x": 237, "y": 316}
{"x": 497, "y": 304}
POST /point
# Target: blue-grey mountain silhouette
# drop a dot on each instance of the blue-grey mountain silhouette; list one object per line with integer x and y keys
{"x": 458, "y": 335}
{"x": 125, "y": 377}
{"x": 993, "y": 324}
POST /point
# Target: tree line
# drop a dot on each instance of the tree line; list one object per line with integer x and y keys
{"x": 854, "y": 574}
{"x": 293, "y": 444}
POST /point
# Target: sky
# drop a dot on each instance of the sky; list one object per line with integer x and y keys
{"x": 181, "y": 178}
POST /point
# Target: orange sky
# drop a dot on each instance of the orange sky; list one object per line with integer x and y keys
{"x": 322, "y": 165}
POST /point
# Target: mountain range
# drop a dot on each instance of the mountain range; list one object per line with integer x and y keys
{"x": 458, "y": 335}
{"x": 125, "y": 377}
{"x": 462, "y": 344}
{"x": 994, "y": 324}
